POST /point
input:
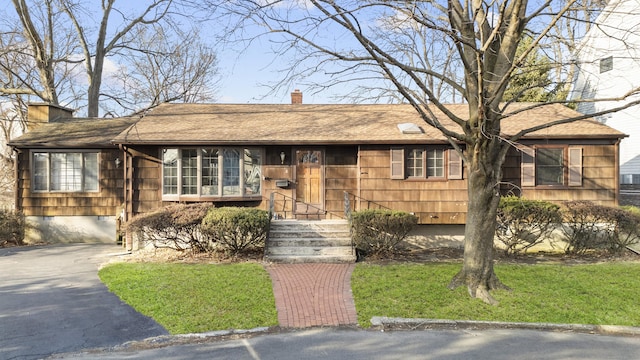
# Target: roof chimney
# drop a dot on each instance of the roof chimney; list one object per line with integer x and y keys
{"x": 296, "y": 97}
{"x": 42, "y": 113}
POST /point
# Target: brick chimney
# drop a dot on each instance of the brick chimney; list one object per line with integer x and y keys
{"x": 296, "y": 97}
{"x": 42, "y": 113}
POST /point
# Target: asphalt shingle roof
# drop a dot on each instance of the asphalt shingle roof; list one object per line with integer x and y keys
{"x": 327, "y": 124}
{"x": 74, "y": 133}
{"x": 262, "y": 124}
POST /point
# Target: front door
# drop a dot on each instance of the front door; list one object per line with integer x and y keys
{"x": 309, "y": 180}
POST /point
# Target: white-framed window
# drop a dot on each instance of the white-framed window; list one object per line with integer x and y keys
{"x": 415, "y": 163}
{"x": 425, "y": 163}
{"x": 435, "y": 163}
{"x": 211, "y": 172}
{"x": 65, "y": 171}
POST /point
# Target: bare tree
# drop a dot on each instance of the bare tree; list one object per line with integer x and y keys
{"x": 422, "y": 49}
{"x": 95, "y": 51}
{"x": 20, "y": 80}
{"x": 62, "y": 34}
{"x": 485, "y": 35}
{"x": 36, "y": 54}
{"x": 176, "y": 67}
{"x": 55, "y": 51}
{"x": 564, "y": 37}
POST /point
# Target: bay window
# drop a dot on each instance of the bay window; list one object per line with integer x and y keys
{"x": 211, "y": 172}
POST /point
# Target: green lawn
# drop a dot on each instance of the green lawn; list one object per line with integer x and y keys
{"x": 188, "y": 298}
{"x": 582, "y": 294}
{"x": 191, "y": 298}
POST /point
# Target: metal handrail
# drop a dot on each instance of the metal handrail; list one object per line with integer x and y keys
{"x": 370, "y": 203}
{"x": 275, "y": 210}
{"x": 280, "y": 207}
{"x": 348, "y": 209}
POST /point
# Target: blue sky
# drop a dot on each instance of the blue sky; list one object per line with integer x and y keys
{"x": 245, "y": 74}
{"x": 245, "y": 78}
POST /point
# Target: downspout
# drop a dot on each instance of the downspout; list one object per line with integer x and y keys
{"x": 356, "y": 205}
{"x": 126, "y": 191}
{"x": 617, "y": 173}
{"x": 16, "y": 173}
{"x": 123, "y": 149}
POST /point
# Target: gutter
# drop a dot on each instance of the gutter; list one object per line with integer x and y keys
{"x": 351, "y": 141}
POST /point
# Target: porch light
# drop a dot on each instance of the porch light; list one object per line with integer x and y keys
{"x": 117, "y": 161}
{"x": 282, "y": 156}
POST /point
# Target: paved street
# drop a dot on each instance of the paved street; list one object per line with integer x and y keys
{"x": 52, "y": 301}
{"x": 337, "y": 344}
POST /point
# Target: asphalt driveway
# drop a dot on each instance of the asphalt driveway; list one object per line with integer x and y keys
{"x": 52, "y": 301}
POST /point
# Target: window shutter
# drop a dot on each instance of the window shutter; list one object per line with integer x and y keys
{"x": 397, "y": 163}
{"x": 455, "y": 165}
{"x": 575, "y": 166}
{"x": 528, "y": 167}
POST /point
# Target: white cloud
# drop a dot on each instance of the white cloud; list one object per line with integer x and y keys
{"x": 78, "y": 72}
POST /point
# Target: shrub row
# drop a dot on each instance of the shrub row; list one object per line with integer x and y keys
{"x": 522, "y": 224}
{"x": 589, "y": 226}
{"x": 12, "y": 227}
{"x": 378, "y": 232}
{"x": 200, "y": 227}
{"x": 237, "y": 229}
{"x": 585, "y": 226}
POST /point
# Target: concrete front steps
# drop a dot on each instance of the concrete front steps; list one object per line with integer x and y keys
{"x": 310, "y": 241}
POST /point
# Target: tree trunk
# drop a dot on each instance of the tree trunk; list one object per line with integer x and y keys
{"x": 477, "y": 271}
{"x": 93, "y": 96}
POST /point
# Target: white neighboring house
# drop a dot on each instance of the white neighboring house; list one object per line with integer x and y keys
{"x": 608, "y": 66}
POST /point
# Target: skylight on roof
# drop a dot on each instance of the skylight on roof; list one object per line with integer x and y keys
{"x": 410, "y": 128}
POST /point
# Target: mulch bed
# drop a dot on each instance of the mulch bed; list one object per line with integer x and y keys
{"x": 410, "y": 255}
{"x": 449, "y": 254}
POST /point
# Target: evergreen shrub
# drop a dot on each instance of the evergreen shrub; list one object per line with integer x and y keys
{"x": 379, "y": 232}
{"x": 175, "y": 226}
{"x": 237, "y": 229}
{"x": 522, "y": 224}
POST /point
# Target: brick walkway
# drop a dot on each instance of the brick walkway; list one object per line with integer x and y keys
{"x": 313, "y": 294}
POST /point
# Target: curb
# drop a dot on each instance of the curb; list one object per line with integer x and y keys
{"x": 182, "y": 338}
{"x": 386, "y": 323}
{"x": 170, "y": 340}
